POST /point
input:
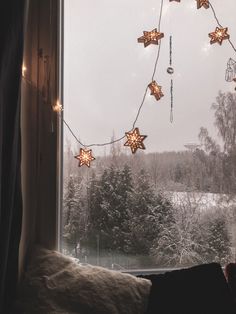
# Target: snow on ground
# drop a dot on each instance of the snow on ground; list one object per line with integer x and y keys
{"x": 204, "y": 201}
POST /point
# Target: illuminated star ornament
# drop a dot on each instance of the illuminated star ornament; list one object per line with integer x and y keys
{"x": 85, "y": 157}
{"x": 203, "y": 3}
{"x": 151, "y": 37}
{"x": 57, "y": 107}
{"x": 156, "y": 90}
{"x": 219, "y": 35}
{"x": 135, "y": 140}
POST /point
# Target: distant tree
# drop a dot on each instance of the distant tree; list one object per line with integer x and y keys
{"x": 115, "y": 152}
{"x": 73, "y": 215}
{"x": 68, "y": 159}
{"x": 154, "y": 167}
{"x": 126, "y": 204}
{"x": 95, "y": 219}
{"x": 208, "y": 143}
{"x": 217, "y": 239}
{"x": 109, "y": 209}
{"x": 150, "y": 212}
{"x": 225, "y": 119}
{"x": 223, "y": 163}
{"x": 179, "y": 242}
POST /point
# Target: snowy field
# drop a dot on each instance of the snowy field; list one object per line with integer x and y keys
{"x": 202, "y": 201}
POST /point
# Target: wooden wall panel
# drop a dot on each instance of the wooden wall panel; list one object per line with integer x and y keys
{"x": 39, "y": 126}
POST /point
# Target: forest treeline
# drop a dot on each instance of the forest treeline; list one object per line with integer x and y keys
{"x": 120, "y": 213}
{"x": 209, "y": 168}
{"x": 121, "y": 204}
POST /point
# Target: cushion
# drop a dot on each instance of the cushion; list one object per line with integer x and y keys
{"x": 54, "y": 283}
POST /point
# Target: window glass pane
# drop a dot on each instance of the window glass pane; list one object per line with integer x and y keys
{"x": 172, "y": 204}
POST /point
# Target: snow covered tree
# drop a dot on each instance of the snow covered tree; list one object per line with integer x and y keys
{"x": 225, "y": 122}
{"x": 109, "y": 204}
{"x": 94, "y": 211}
{"x": 148, "y": 215}
{"x": 217, "y": 239}
{"x": 178, "y": 241}
{"x": 73, "y": 215}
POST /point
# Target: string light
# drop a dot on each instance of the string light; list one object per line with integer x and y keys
{"x": 24, "y": 69}
{"x": 151, "y": 37}
{"x": 57, "y": 107}
{"x": 219, "y": 35}
{"x": 85, "y": 157}
{"x": 156, "y": 90}
{"x": 135, "y": 140}
{"x": 217, "y": 21}
{"x": 203, "y": 3}
{"x": 140, "y": 106}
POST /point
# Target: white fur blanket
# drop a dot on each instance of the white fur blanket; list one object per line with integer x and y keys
{"x": 55, "y": 283}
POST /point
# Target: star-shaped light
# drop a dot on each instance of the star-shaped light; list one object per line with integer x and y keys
{"x": 85, "y": 157}
{"x": 151, "y": 37}
{"x": 203, "y": 3}
{"x": 219, "y": 35}
{"x": 57, "y": 107}
{"x": 135, "y": 140}
{"x": 156, "y": 90}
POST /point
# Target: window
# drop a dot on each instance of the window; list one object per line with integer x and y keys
{"x": 172, "y": 204}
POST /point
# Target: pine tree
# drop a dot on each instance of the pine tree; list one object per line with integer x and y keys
{"x": 94, "y": 211}
{"x": 109, "y": 209}
{"x": 149, "y": 214}
{"x": 217, "y": 239}
{"x": 109, "y": 205}
{"x": 124, "y": 192}
{"x": 180, "y": 239}
{"x": 73, "y": 220}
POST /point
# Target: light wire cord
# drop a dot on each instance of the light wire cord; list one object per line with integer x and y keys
{"x": 146, "y": 89}
{"x": 142, "y": 102}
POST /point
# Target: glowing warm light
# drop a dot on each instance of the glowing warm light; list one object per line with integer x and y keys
{"x": 151, "y": 37}
{"x": 85, "y": 157}
{"x": 24, "y": 69}
{"x": 135, "y": 140}
{"x": 203, "y": 3}
{"x": 156, "y": 90}
{"x": 219, "y": 35}
{"x": 57, "y": 107}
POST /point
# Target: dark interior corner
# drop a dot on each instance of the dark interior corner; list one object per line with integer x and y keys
{"x": 39, "y": 125}
{"x": 29, "y": 36}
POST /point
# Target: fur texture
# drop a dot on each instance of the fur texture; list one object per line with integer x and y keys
{"x": 54, "y": 283}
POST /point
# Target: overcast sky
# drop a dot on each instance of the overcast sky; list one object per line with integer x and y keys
{"x": 107, "y": 71}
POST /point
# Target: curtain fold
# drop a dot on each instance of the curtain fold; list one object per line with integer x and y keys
{"x": 11, "y": 51}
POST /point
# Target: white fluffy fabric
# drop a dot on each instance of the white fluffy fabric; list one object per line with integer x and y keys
{"x": 55, "y": 283}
